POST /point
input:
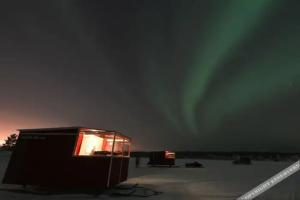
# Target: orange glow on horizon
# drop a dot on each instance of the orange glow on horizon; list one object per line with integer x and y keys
{"x": 5, "y": 132}
{"x": 12, "y": 124}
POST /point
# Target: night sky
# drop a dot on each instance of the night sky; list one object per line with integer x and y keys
{"x": 183, "y": 75}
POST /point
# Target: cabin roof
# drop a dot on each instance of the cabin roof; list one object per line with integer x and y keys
{"x": 68, "y": 130}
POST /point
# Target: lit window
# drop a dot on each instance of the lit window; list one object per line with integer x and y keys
{"x": 101, "y": 144}
{"x": 169, "y": 155}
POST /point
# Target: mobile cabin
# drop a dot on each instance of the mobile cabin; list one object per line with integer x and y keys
{"x": 162, "y": 158}
{"x": 69, "y": 157}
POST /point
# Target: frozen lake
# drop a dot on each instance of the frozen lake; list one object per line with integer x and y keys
{"x": 217, "y": 180}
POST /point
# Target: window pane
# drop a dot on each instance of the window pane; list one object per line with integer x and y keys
{"x": 91, "y": 144}
{"x": 126, "y": 149}
{"x": 169, "y": 155}
{"x": 118, "y": 148}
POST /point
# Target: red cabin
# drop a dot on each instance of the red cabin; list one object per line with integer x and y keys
{"x": 69, "y": 157}
{"x": 162, "y": 158}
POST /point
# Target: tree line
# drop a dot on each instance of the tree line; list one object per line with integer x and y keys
{"x": 10, "y": 142}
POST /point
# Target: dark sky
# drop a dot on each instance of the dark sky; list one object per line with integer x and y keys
{"x": 183, "y": 75}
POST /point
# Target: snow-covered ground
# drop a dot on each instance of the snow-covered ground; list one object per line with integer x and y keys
{"x": 217, "y": 180}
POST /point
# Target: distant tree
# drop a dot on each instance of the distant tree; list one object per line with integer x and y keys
{"x": 10, "y": 142}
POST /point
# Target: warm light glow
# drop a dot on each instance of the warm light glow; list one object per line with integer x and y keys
{"x": 101, "y": 144}
{"x": 117, "y": 140}
{"x": 90, "y": 144}
{"x": 169, "y": 155}
{"x": 13, "y": 122}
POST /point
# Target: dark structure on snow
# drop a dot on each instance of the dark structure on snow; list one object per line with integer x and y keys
{"x": 158, "y": 158}
{"x": 69, "y": 157}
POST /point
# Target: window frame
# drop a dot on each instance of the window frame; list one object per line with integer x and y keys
{"x": 114, "y": 135}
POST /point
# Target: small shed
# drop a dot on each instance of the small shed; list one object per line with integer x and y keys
{"x": 69, "y": 157}
{"x": 157, "y": 158}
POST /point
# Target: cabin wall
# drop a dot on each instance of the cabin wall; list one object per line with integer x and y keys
{"x": 47, "y": 160}
{"x": 119, "y": 170}
{"x": 39, "y": 157}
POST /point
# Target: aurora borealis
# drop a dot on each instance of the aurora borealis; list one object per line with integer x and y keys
{"x": 234, "y": 23}
{"x": 186, "y": 75}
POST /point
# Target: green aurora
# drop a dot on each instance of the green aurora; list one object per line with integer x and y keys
{"x": 234, "y": 23}
{"x": 265, "y": 73}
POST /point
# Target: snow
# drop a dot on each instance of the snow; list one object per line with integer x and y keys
{"x": 217, "y": 180}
